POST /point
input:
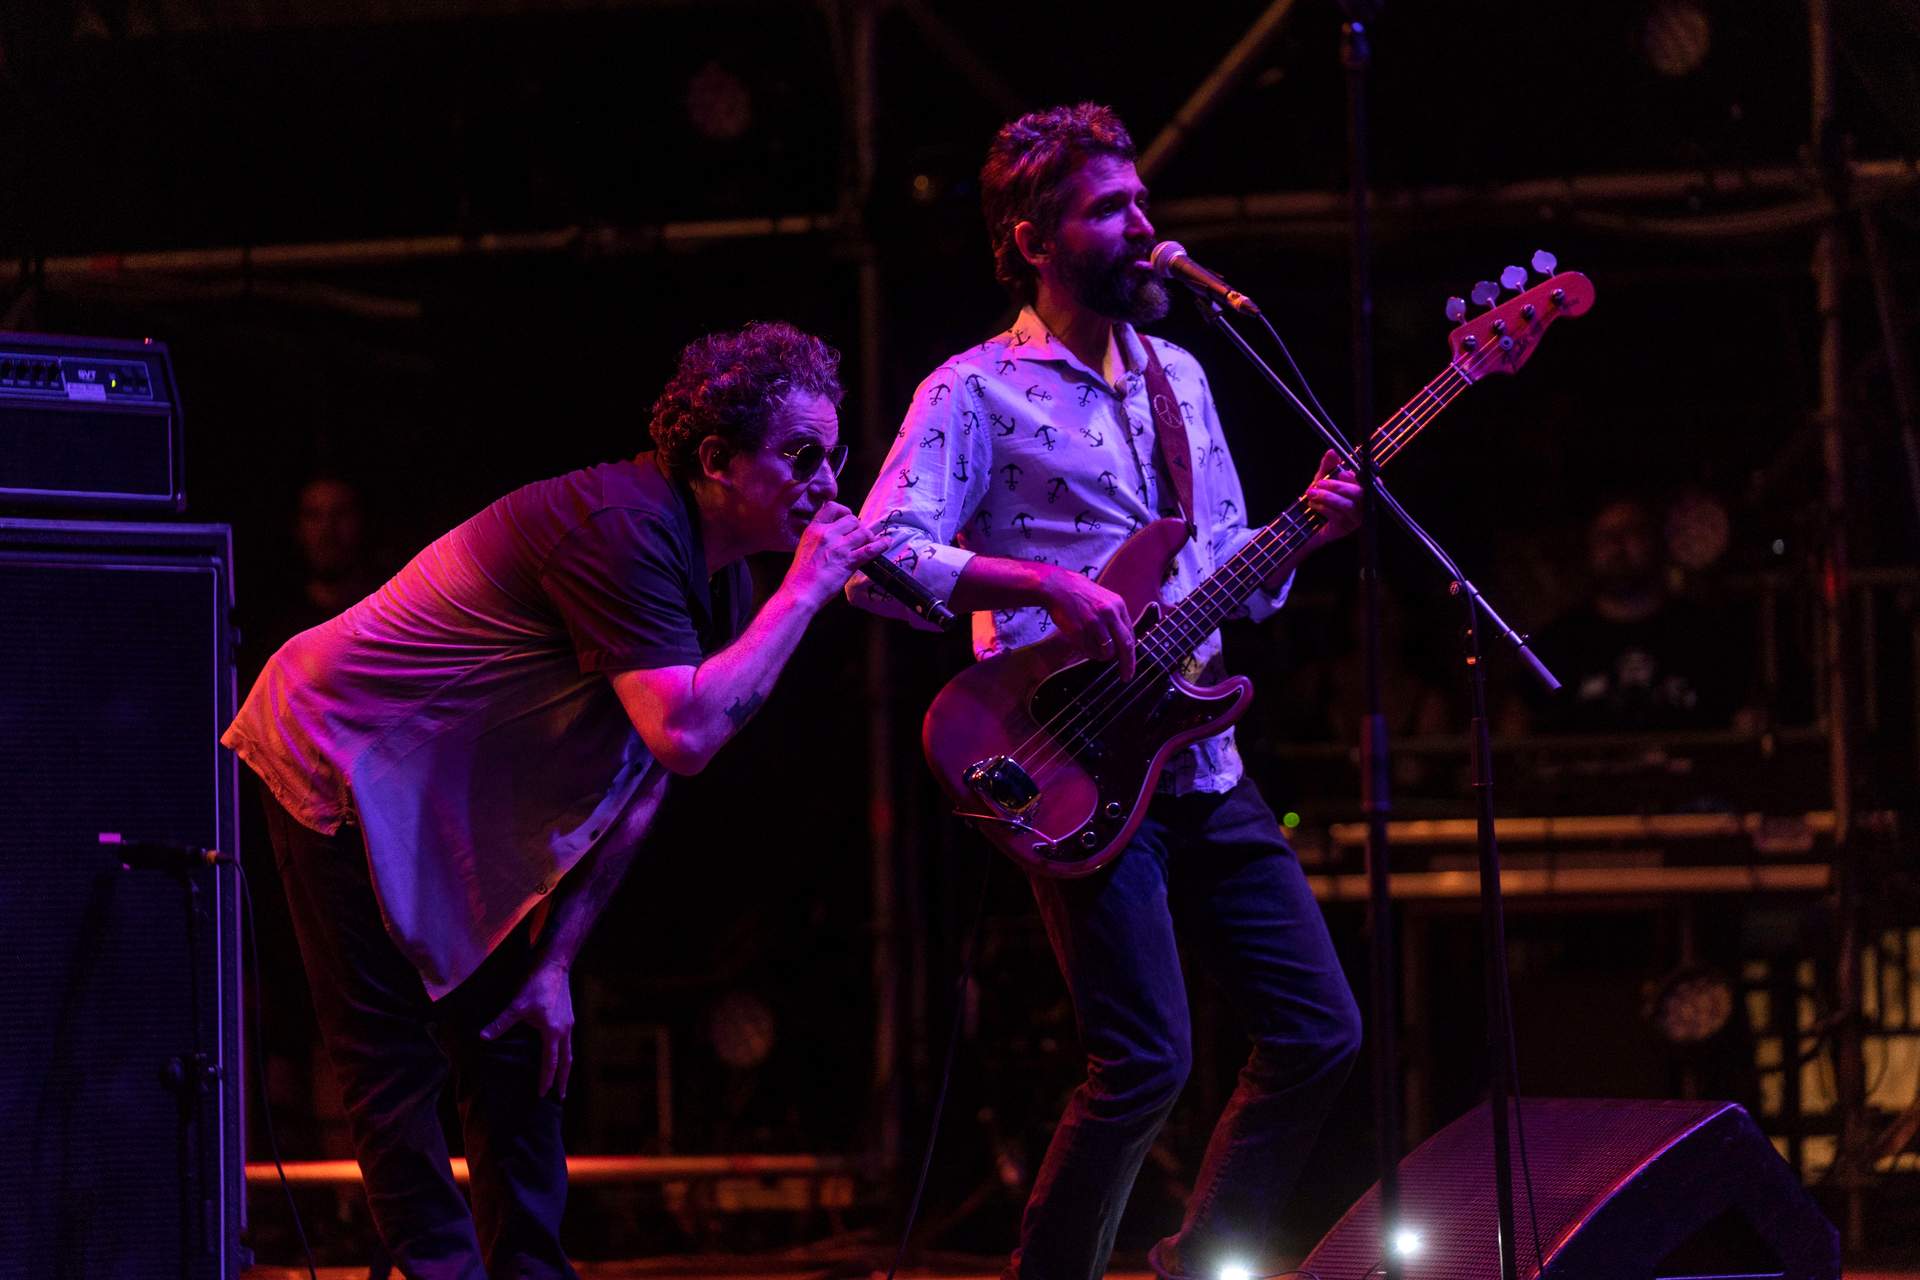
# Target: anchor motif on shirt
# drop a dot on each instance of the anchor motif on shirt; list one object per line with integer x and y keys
{"x": 1172, "y": 372}
{"x": 1055, "y": 487}
{"x": 1092, "y": 437}
{"x": 1005, "y": 426}
{"x": 1217, "y": 454}
{"x": 1019, "y": 338}
{"x": 934, "y": 437}
{"x": 983, "y": 518}
{"x": 1003, "y": 366}
{"x": 1021, "y": 520}
{"x": 968, "y": 421}
{"x": 1186, "y": 411}
{"x": 1037, "y": 394}
{"x": 1085, "y": 394}
{"x": 976, "y": 384}
{"x": 1045, "y": 432}
{"x": 1088, "y": 570}
{"x": 1227, "y": 508}
{"x": 909, "y": 559}
{"x": 1004, "y": 616}
{"x": 1013, "y": 473}
{"x": 1084, "y": 522}
{"x": 938, "y": 392}
{"x": 961, "y": 473}
{"x": 908, "y": 480}
{"x": 1108, "y": 482}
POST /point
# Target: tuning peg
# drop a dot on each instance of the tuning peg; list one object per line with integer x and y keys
{"x": 1545, "y": 263}
{"x": 1456, "y": 309}
{"x": 1485, "y": 294}
{"x": 1513, "y": 279}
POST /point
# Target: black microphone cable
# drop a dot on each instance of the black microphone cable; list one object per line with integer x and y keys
{"x": 967, "y": 962}
{"x": 260, "y": 1072}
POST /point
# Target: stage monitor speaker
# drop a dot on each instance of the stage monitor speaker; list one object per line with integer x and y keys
{"x": 121, "y": 1081}
{"x": 1621, "y": 1191}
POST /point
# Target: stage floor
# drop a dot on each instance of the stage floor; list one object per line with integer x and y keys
{"x": 698, "y": 1269}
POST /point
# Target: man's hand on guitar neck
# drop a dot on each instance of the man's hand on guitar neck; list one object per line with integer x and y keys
{"x": 1335, "y": 496}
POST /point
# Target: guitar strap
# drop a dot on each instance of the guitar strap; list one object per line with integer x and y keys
{"x": 1170, "y": 434}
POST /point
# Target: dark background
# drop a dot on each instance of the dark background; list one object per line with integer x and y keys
{"x": 437, "y": 382}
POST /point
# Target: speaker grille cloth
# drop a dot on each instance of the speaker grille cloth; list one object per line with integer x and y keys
{"x": 107, "y": 723}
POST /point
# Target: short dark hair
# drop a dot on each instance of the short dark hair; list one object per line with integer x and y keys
{"x": 1028, "y": 163}
{"x": 729, "y": 385}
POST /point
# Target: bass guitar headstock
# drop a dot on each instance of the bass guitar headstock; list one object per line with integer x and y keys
{"x": 1504, "y": 336}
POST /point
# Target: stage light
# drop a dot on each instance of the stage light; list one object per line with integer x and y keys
{"x": 740, "y": 1027}
{"x": 1691, "y": 1005}
{"x": 1676, "y": 38}
{"x": 719, "y": 104}
{"x": 1234, "y": 1271}
{"x": 1406, "y": 1242}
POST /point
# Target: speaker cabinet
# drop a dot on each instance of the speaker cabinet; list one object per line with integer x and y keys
{"x": 121, "y": 1081}
{"x": 1621, "y": 1191}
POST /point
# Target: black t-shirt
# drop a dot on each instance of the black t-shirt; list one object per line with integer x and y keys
{"x": 628, "y": 576}
{"x": 462, "y": 711}
{"x": 1683, "y": 667}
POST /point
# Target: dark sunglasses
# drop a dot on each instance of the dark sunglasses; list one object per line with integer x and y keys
{"x": 805, "y": 458}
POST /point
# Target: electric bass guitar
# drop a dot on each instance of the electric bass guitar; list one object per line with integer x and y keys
{"x": 1054, "y": 756}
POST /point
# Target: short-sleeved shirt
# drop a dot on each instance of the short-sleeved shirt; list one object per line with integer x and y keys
{"x": 462, "y": 713}
{"x": 1016, "y": 448}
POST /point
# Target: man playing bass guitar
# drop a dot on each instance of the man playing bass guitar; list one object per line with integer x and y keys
{"x": 1022, "y": 467}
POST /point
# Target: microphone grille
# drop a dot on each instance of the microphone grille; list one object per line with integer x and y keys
{"x": 1161, "y": 259}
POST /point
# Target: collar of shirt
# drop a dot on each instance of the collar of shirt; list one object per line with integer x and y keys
{"x": 1032, "y": 340}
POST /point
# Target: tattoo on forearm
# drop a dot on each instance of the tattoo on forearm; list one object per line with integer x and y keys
{"x": 742, "y": 709}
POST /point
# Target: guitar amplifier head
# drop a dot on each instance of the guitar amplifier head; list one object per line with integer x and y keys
{"x": 89, "y": 425}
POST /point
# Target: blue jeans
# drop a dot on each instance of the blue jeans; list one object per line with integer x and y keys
{"x": 395, "y": 1053}
{"x": 1218, "y": 865}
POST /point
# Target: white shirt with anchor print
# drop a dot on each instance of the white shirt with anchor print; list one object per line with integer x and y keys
{"x": 1016, "y": 448}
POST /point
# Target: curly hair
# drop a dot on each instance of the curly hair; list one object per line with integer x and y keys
{"x": 729, "y": 385}
{"x": 1026, "y": 168}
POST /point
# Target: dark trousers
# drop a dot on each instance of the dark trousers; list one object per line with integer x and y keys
{"x": 1218, "y": 865}
{"x": 395, "y": 1053}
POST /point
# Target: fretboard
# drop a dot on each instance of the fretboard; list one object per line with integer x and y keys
{"x": 1195, "y": 618}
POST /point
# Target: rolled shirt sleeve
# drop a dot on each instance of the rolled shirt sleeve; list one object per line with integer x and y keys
{"x": 934, "y": 475}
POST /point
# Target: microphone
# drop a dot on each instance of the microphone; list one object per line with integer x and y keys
{"x": 885, "y": 576}
{"x": 161, "y": 855}
{"x": 1170, "y": 262}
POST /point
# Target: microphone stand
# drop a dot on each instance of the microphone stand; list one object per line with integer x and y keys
{"x": 1356, "y": 54}
{"x": 1492, "y": 915}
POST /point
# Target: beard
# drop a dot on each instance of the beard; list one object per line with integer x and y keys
{"x": 1110, "y": 287}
